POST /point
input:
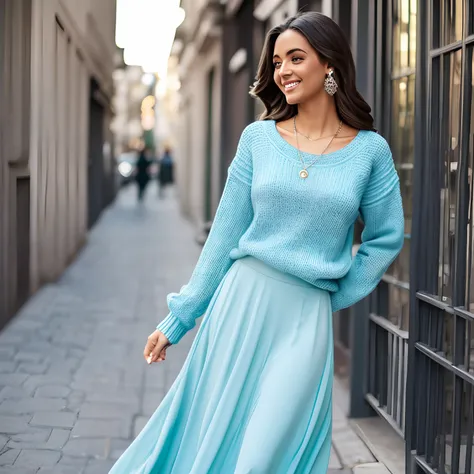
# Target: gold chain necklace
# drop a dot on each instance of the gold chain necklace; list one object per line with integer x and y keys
{"x": 312, "y": 139}
{"x": 304, "y": 172}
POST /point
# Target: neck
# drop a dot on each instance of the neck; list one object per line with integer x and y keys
{"x": 318, "y": 117}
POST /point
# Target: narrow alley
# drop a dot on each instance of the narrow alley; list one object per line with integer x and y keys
{"x": 74, "y": 388}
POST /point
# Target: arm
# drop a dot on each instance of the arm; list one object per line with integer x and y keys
{"x": 383, "y": 234}
{"x": 232, "y": 219}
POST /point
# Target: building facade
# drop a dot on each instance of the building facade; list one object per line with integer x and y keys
{"x": 56, "y": 163}
{"x": 414, "y": 349}
{"x": 199, "y": 127}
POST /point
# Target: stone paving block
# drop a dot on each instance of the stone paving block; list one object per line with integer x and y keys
{"x": 30, "y": 357}
{"x": 76, "y": 400}
{"x": 45, "y": 347}
{"x": 54, "y": 419}
{"x": 31, "y": 405}
{"x": 53, "y": 391}
{"x": 13, "y": 379}
{"x": 78, "y": 353}
{"x": 33, "y": 369}
{"x": 334, "y": 462}
{"x": 138, "y": 424}
{"x": 14, "y": 424}
{"x": 17, "y": 470}
{"x": 88, "y": 447}
{"x": 372, "y": 468}
{"x": 104, "y": 410}
{"x": 351, "y": 449}
{"x": 9, "y": 456}
{"x": 15, "y": 392}
{"x": 7, "y": 353}
{"x": 33, "y": 437}
{"x": 98, "y": 467}
{"x": 151, "y": 401}
{"x": 154, "y": 376}
{"x": 33, "y": 458}
{"x": 66, "y": 465}
{"x": 27, "y": 324}
{"x": 66, "y": 367}
{"x": 36, "y": 381}
{"x": 117, "y": 447}
{"x": 127, "y": 397}
{"x": 74, "y": 339}
{"x": 57, "y": 440}
{"x": 101, "y": 428}
{"x": 60, "y": 470}
{"x": 7, "y": 367}
{"x": 132, "y": 379}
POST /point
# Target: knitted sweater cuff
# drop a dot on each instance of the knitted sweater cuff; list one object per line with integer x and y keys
{"x": 172, "y": 328}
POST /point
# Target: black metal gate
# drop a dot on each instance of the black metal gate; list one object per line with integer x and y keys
{"x": 440, "y": 390}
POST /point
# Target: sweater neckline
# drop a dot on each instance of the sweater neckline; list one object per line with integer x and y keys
{"x": 291, "y": 152}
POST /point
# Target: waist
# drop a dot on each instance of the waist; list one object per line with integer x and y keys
{"x": 267, "y": 270}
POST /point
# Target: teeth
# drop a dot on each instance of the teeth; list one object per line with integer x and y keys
{"x": 293, "y": 84}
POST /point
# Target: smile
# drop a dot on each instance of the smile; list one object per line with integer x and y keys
{"x": 291, "y": 85}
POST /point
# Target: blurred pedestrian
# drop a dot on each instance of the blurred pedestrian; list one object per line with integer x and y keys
{"x": 165, "y": 172}
{"x": 143, "y": 172}
{"x": 254, "y": 395}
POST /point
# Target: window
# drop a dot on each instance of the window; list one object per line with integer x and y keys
{"x": 402, "y": 140}
{"x": 447, "y": 22}
{"x": 449, "y": 153}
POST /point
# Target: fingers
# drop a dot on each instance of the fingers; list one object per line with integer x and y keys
{"x": 150, "y": 345}
{"x": 157, "y": 353}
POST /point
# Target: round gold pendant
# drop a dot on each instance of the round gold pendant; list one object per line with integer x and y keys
{"x": 303, "y": 174}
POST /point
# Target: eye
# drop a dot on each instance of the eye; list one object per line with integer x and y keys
{"x": 277, "y": 64}
{"x": 296, "y": 59}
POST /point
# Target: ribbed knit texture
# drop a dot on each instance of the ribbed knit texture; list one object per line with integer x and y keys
{"x": 303, "y": 227}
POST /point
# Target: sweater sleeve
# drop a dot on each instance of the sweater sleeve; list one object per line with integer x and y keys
{"x": 383, "y": 235}
{"x": 233, "y": 217}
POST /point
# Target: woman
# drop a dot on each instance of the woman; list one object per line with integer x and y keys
{"x": 166, "y": 173}
{"x": 143, "y": 172}
{"x": 254, "y": 395}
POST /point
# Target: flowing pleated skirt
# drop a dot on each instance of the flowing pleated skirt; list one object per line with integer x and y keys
{"x": 254, "y": 395}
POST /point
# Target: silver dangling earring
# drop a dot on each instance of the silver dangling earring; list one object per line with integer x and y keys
{"x": 330, "y": 84}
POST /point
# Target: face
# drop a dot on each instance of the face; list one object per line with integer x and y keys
{"x": 298, "y": 72}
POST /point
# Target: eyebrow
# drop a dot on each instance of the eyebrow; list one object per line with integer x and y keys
{"x": 291, "y": 51}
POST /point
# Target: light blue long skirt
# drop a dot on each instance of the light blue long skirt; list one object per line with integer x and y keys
{"x": 254, "y": 395}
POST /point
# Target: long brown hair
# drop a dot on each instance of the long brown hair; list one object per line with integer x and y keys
{"x": 328, "y": 40}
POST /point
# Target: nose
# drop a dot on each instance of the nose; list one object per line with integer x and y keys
{"x": 285, "y": 71}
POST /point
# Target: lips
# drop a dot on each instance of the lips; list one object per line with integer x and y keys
{"x": 291, "y": 85}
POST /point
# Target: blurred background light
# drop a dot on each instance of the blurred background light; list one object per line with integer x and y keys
{"x": 146, "y": 29}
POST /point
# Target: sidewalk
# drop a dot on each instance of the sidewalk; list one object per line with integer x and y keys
{"x": 74, "y": 388}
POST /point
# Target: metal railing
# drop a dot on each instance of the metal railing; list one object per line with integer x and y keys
{"x": 387, "y": 371}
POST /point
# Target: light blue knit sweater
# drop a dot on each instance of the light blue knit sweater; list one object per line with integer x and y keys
{"x": 300, "y": 226}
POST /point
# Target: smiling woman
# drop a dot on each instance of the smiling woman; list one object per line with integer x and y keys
{"x": 296, "y": 59}
{"x": 254, "y": 395}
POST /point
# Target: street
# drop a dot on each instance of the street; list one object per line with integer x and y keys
{"x": 74, "y": 387}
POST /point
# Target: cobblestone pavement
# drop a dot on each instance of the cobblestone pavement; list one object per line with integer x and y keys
{"x": 74, "y": 388}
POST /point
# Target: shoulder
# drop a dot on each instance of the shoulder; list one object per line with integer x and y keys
{"x": 256, "y": 128}
{"x": 253, "y": 134}
{"x": 376, "y": 144}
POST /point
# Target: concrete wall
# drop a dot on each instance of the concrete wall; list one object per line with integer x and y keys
{"x": 191, "y": 159}
{"x": 63, "y": 63}
{"x": 15, "y": 25}
{"x": 50, "y": 51}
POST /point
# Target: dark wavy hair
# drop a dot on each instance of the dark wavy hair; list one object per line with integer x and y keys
{"x": 329, "y": 42}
